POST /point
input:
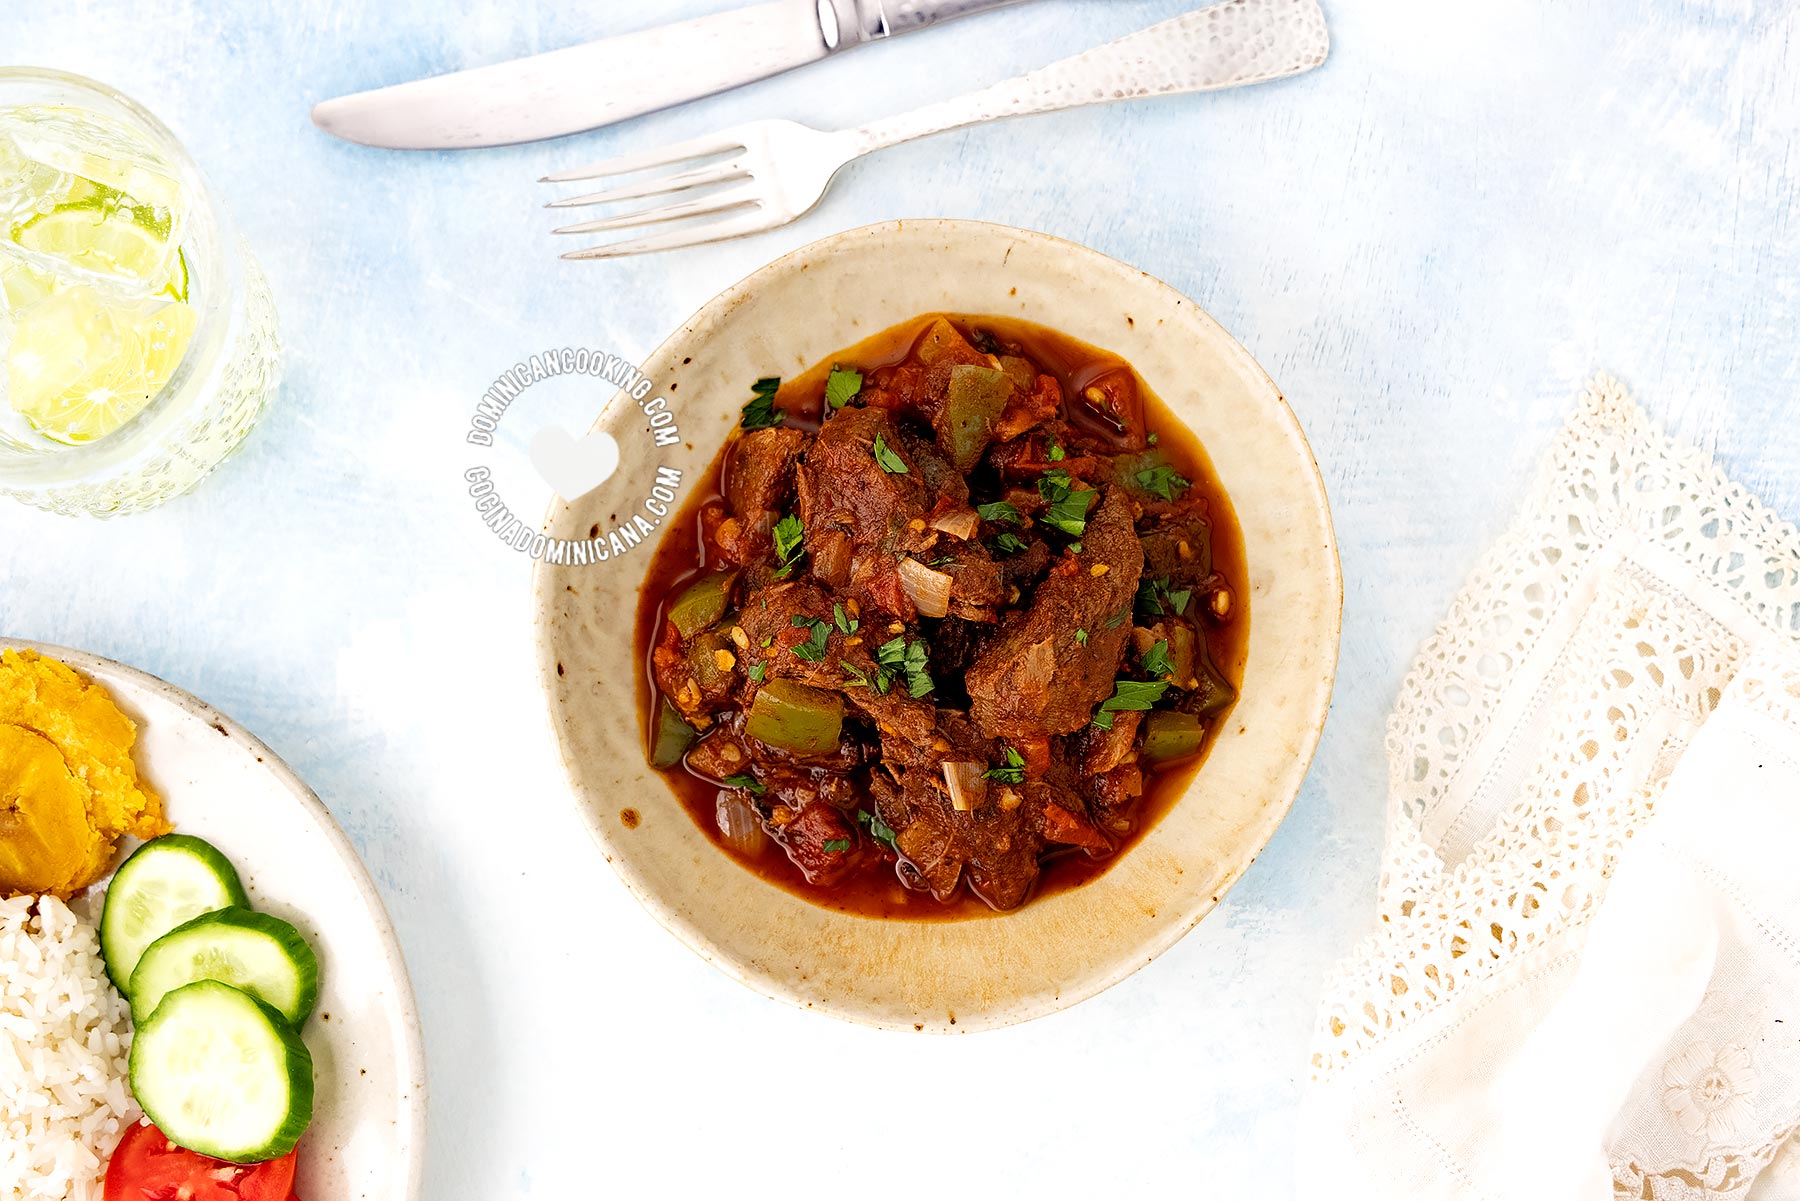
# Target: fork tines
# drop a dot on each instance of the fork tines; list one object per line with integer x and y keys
{"x": 725, "y": 188}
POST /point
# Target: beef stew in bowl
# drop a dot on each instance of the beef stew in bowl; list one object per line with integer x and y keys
{"x": 950, "y": 621}
{"x": 1192, "y": 838}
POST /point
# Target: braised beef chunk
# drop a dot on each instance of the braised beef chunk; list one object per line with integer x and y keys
{"x": 1022, "y": 569}
{"x": 1101, "y": 750}
{"x": 793, "y": 630}
{"x": 869, "y": 492}
{"x": 760, "y": 473}
{"x": 1055, "y": 661}
{"x": 877, "y": 482}
{"x": 1030, "y": 457}
{"x": 976, "y": 588}
{"x": 977, "y": 830}
{"x": 940, "y": 642}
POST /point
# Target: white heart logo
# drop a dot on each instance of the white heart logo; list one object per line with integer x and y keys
{"x": 574, "y": 466}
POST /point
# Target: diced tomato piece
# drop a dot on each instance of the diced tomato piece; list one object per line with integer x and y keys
{"x": 1062, "y": 826}
{"x": 146, "y": 1166}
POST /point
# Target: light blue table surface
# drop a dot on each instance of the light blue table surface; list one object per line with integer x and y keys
{"x": 1428, "y": 243}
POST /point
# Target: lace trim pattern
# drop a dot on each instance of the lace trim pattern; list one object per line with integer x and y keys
{"x": 1531, "y": 737}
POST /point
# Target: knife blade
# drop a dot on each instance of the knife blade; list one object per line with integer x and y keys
{"x": 587, "y": 86}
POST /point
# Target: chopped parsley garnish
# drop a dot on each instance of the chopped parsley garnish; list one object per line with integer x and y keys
{"x": 888, "y": 461}
{"x": 1008, "y": 544}
{"x": 1056, "y": 452}
{"x": 1151, "y": 440}
{"x": 761, "y": 412}
{"x": 1075, "y": 547}
{"x": 1156, "y": 660}
{"x": 837, "y": 845}
{"x": 789, "y": 534}
{"x": 745, "y": 780}
{"x": 1012, "y": 771}
{"x": 1070, "y": 513}
{"x": 1163, "y": 481}
{"x": 1081, "y": 637}
{"x": 768, "y": 639}
{"x": 756, "y": 673}
{"x": 999, "y": 510}
{"x": 1155, "y": 597}
{"x": 844, "y": 622}
{"x": 1129, "y": 694}
{"x": 813, "y": 649}
{"x": 841, "y": 387}
{"x": 1068, "y": 504}
{"x": 853, "y": 676}
{"x": 1117, "y": 619}
{"x": 898, "y": 658}
{"x": 879, "y": 830}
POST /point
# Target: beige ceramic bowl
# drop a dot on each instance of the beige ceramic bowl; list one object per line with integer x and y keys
{"x": 1056, "y": 950}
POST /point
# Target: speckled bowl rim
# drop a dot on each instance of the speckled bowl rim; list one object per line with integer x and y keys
{"x": 412, "y": 1042}
{"x": 765, "y": 981}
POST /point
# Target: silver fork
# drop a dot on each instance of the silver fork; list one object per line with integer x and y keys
{"x": 772, "y": 172}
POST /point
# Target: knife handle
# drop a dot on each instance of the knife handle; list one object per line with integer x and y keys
{"x": 871, "y": 20}
{"x": 1223, "y": 46}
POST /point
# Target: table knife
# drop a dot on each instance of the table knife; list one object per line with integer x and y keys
{"x": 587, "y": 86}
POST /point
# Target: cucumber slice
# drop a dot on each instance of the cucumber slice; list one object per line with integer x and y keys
{"x": 165, "y": 882}
{"x": 222, "y": 1073}
{"x": 262, "y": 955}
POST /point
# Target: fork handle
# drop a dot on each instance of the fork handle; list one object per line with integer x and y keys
{"x": 1224, "y": 46}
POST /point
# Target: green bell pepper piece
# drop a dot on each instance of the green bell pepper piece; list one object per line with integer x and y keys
{"x": 671, "y": 738}
{"x": 976, "y": 398}
{"x": 1214, "y": 694}
{"x": 792, "y": 717}
{"x": 701, "y": 604}
{"x": 1169, "y": 735}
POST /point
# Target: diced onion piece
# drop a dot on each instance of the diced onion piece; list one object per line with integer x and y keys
{"x": 967, "y": 784}
{"x": 738, "y": 824}
{"x": 928, "y": 590}
{"x": 962, "y": 523}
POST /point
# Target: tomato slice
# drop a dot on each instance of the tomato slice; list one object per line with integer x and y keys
{"x": 146, "y": 1166}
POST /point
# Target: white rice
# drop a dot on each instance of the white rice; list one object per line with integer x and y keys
{"x": 64, "y": 1037}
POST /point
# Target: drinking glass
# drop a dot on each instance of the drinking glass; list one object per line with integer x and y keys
{"x": 138, "y": 341}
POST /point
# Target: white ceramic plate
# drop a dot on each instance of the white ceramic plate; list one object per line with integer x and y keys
{"x": 218, "y": 782}
{"x": 1055, "y": 950}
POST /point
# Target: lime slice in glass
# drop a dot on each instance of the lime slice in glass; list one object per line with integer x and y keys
{"x": 82, "y": 364}
{"x": 108, "y": 244}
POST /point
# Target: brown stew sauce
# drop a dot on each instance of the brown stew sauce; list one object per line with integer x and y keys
{"x": 874, "y": 890}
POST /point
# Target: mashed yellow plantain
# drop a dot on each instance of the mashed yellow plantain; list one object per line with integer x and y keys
{"x": 68, "y": 786}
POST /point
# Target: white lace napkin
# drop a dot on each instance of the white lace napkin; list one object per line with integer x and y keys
{"x": 1585, "y": 982}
